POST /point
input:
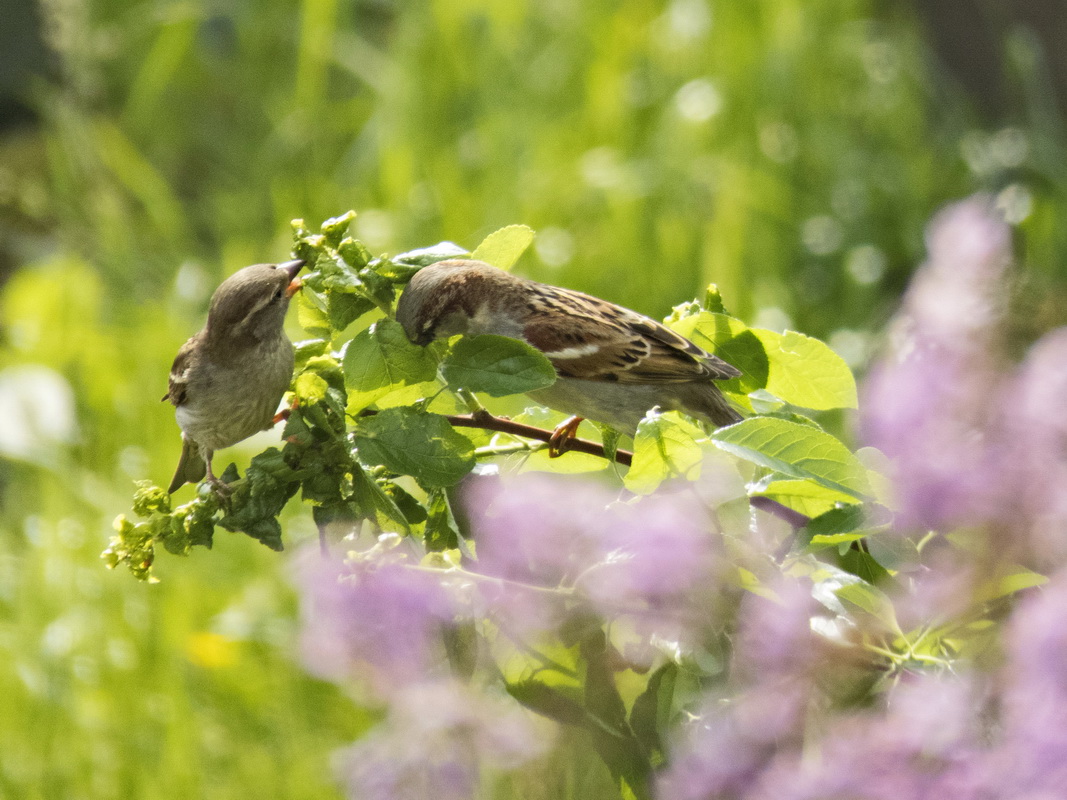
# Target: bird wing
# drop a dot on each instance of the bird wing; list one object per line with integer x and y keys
{"x": 585, "y": 337}
{"x": 179, "y": 372}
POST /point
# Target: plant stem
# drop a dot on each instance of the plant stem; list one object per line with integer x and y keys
{"x": 486, "y": 421}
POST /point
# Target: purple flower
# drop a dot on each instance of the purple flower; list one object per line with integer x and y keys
{"x": 1032, "y": 755}
{"x": 775, "y": 638}
{"x": 377, "y": 623}
{"x": 1036, "y": 425}
{"x": 437, "y": 741}
{"x": 930, "y": 402}
{"x": 918, "y": 748}
{"x": 729, "y": 745}
{"x": 536, "y": 529}
{"x": 655, "y": 560}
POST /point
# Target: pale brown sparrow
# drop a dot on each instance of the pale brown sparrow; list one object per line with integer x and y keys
{"x": 613, "y": 364}
{"x": 227, "y": 380}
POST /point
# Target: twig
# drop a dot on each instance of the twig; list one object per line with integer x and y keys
{"x": 487, "y": 421}
{"x": 490, "y": 423}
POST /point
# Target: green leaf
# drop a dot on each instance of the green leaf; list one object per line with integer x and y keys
{"x": 504, "y": 247}
{"x": 666, "y": 446}
{"x": 731, "y": 340}
{"x": 381, "y": 359}
{"x": 836, "y": 521}
{"x": 863, "y": 565}
{"x": 333, "y": 273}
{"x": 810, "y": 499}
{"x": 254, "y": 506}
{"x": 335, "y": 228}
{"x": 309, "y": 388}
{"x": 496, "y": 365}
{"x": 845, "y": 524}
{"x": 412, "y": 509}
{"x": 311, "y": 317}
{"x": 548, "y": 702}
{"x": 798, "y": 451}
{"x": 354, "y": 253}
{"x": 871, "y": 600}
{"x": 409, "y": 442}
{"x": 309, "y": 349}
{"x": 806, "y": 372}
{"x": 344, "y": 309}
{"x": 428, "y": 255}
{"x": 370, "y": 495}
{"x": 442, "y": 532}
{"x": 651, "y": 710}
{"x": 614, "y": 739}
{"x": 713, "y": 300}
{"x": 1016, "y": 580}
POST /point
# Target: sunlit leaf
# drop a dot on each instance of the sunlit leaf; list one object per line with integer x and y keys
{"x": 496, "y": 365}
{"x": 666, "y": 446}
{"x": 429, "y": 255}
{"x": 732, "y": 341}
{"x": 806, "y": 372}
{"x": 805, "y": 496}
{"x": 798, "y": 451}
{"x": 504, "y": 247}
{"x": 409, "y": 442}
{"x": 380, "y": 360}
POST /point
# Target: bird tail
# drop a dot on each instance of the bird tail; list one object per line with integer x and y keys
{"x": 191, "y": 467}
{"x": 708, "y": 403}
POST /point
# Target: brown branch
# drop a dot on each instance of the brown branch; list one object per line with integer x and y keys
{"x": 488, "y": 422}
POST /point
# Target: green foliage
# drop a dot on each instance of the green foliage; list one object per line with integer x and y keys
{"x": 370, "y": 440}
{"x": 181, "y": 140}
{"x": 361, "y": 418}
{"x": 505, "y": 247}
{"x": 497, "y": 366}
{"x": 797, "y": 451}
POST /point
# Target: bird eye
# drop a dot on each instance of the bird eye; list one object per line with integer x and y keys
{"x": 278, "y": 294}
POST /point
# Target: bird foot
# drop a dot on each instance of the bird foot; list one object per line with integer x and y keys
{"x": 562, "y": 436}
{"x": 222, "y": 490}
{"x": 285, "y": 413}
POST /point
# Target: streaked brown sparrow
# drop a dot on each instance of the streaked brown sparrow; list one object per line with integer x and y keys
{"x": 613, "y": 364}
{"x": 227, "y": 380}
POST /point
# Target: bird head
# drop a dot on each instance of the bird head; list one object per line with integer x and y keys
{"x": 250, "y": 305}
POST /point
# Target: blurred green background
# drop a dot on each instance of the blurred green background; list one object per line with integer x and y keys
{"x": 789, "y": 151}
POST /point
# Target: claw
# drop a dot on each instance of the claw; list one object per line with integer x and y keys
{"x": 285, "y": 413}
{"x": 221, "y": 489}
{"x": 562, "y": 435}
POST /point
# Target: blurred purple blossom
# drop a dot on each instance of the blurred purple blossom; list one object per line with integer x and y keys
{"x": 375, "y": 623}
{"x": 964, "y": 735}
{"x": 929, "y": 402}
{"x": 1037, "y": 433}
{"x": 655, "y": 559}
{"x": 1031, "y": 759}
{"x": 437, "y": 741}
{"x": 775, "y": 637}
{"x": 730, "y": 743}
{"x": 918, "y": 748}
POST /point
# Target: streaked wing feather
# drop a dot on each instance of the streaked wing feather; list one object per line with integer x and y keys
{"x": 179, "y": 372}
{"x": 630, "y": 348}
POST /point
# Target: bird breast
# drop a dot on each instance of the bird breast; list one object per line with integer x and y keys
{"x": 232, "y": 403}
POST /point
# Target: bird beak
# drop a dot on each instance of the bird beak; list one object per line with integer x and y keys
{"x": 293, "y": 267}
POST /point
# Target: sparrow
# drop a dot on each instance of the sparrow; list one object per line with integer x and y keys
{"x": 612, "y": 364}
{"x": 227, "y": 381}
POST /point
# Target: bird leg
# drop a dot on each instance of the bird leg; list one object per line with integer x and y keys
{"x": 219, "y": 486}
{"x": 561, "y": 436}
{"x": 284, "y": 414}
